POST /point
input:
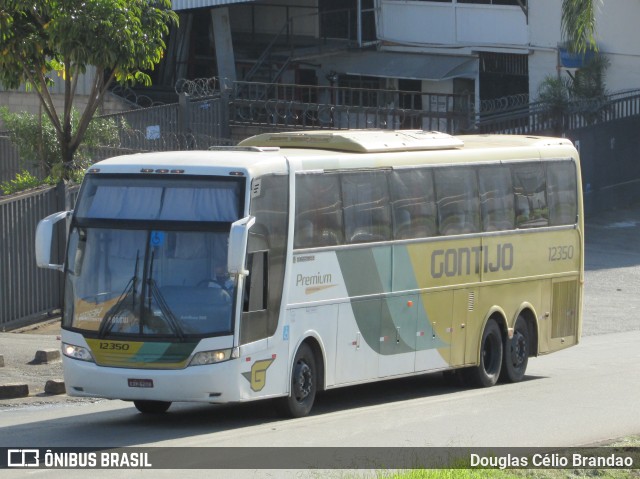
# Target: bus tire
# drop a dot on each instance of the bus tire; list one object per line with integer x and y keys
{"x": 486, "y": 374}
{"x": 516, "y": 353}
{"x": 304, "y": 382}
{"x": 152, "y": 407}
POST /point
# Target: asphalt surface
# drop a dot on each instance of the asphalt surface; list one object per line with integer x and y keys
{"x": 611, "y": 305}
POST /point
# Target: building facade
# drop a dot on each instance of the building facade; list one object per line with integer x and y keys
{"x": 489, "y": 48}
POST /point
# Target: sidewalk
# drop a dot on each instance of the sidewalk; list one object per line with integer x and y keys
{"x": 18, "y": 349}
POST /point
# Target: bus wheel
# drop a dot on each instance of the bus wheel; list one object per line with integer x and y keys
{"x": 303, "y": 385}
{"x": 516, "y": 353}
{"x": 152, "y": 407}
{"x": 486, "y": 374}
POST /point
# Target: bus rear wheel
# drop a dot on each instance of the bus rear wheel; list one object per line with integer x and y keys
{"x": 516, "y": 353}
{"x": 486, "y": 374}
{"x": 152, "y": 407}
{"x": 303, "y": 385}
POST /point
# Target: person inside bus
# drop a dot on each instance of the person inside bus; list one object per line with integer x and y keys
{"x": 222, "y": 279}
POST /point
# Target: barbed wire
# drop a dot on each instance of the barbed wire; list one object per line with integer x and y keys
{"x": 201, "y": 87}
{"x": 504, "y": 103}
{"x": 134, "y": 98}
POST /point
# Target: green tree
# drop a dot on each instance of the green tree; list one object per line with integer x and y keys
{"x": 37, "y": 144}
{"x": 554, "y": 96}
{"x": 59, "y": 39}
{"x": 584, "y": 93}
{"x": 578, "y": 24}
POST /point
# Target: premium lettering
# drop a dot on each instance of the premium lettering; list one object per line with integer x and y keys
{"x": 312, "y": 280}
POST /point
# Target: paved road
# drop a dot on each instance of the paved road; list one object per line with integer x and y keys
{"x": 578, "y": 396}
{"x": 612, "y": 272}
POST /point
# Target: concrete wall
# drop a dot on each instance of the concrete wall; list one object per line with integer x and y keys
{"x": 451, "y": 23}
{"x": 617, "y": 35}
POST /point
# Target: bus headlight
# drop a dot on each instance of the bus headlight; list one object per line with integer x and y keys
{"x": 76, "y": 352}
{"x": 210, "y": 357}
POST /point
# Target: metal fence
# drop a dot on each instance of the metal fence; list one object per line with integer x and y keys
{"x": 281, "y": 106}
{"x": 189, "y": 124}
{"x": 10, "y": 163}
{"x": 539, "y": 118}
{"x": 28, "y": 292}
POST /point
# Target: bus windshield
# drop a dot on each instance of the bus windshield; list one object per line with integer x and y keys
{"x": 143, "y": 260}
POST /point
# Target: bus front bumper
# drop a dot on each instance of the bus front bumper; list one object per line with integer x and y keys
{"x": 215, "y": 383}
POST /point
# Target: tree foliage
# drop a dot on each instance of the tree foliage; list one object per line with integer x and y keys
{"x": 45, "y": 41}
{"x": 37, "y": 144}
{"x": 584, "y": 93}
{"x": 23, "y": 181}
{"x": 578, "y": 24}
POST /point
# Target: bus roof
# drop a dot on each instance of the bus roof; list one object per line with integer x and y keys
{"x": 221, "y": 161}
{"x": 383, "y": 141}
{"x": 358, "y": 141}
{"x": 337, "y": 149}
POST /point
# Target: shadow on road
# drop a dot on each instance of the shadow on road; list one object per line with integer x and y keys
{"x": 126, "y": 427}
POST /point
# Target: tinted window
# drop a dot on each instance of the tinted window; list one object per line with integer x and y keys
{"x": 413, "y": 204}
{"x": 367, "y": 214}
{"x": 496, "y": 198}
{"x": 266, "y": 253}
{"x": 457, "y": 197}
{"x": 529, "y": 187}
{"x": 164, "y": 199}
{"x": 562, "y": 193}
{"x": 318, "y": 211}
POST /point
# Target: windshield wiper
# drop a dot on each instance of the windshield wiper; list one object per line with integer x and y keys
{"x": 129, "y": 290}
{"x": 171, "y": 319}
{"x": 173, "y": 322}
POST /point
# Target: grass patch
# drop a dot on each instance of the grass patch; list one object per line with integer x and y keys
{"x": 512, "y": 474}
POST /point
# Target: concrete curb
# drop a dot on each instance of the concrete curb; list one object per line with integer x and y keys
{"x": 30, "y": 368}
{"x": 55, "y": 386}
{"x": 12, "y": 391}
{"x": 45, "y": 356}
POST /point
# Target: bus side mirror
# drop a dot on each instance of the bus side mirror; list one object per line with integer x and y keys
{"x": 44, "y": 239}
{"x": 238, "y": 246}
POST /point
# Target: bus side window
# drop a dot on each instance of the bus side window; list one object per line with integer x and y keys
{"x": 458, "y": 201}
{"x": 562, "y": 193}
{"x": 256, "y": 287}
{"x": 530, "y": 190}
{"x": 318, "y": 211}
{"x": 496, "y": 198}
{"x": 367, "y": 216}
{"x": 413, "y": 204}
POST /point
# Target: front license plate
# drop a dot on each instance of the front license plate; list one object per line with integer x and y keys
{"x": 140, "y": 383}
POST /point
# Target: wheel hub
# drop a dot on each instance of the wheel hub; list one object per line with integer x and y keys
{"x": 518, "y": 349}
{"x": 303, "y": 382}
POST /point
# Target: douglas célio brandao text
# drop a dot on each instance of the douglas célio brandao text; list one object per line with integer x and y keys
{"x": 605, "y": 459}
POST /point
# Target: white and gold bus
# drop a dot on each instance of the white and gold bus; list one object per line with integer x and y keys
{"x": 304, "y": 261}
